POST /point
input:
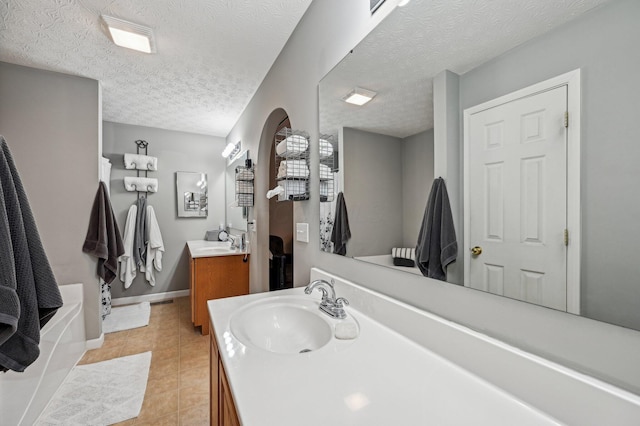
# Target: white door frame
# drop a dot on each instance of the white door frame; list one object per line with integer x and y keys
{"x": 572, "y": 81}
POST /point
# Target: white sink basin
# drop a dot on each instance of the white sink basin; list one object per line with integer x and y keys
{"x": 286, "y": 325}
{"x": 210, "y": 248}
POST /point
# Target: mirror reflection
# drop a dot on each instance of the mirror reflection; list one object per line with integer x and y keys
{"x": 481, "y": 103}
{"x": 192, "y": 194}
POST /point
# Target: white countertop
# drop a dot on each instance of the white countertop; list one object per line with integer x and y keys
{"x": 204, "y": 248}
{"x": 380, "y": 378}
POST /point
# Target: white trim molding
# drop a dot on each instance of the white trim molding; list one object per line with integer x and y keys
{"x": 572, "y": 81}
{"x": 95, "y": 343}
{"x": 151, "y": 298}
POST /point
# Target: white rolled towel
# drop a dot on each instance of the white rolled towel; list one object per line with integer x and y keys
{"x": 275, "y": 191}
{"x": 325, "y": 172}
{"x": 293, "y": 169}
{"x": 244, "y": 174}
{"x": 244, "y": 187}
{"x": 140, "y": 162}
{"x": 324, "y": 188}
{"x": 292, "y": 146}
{"x": 404, "y": 253}
{"x": 245, "y": 200}
{"x": 140, "y": 184}
{"x": 292, "y": 188}
{"x": 326, "y": 149}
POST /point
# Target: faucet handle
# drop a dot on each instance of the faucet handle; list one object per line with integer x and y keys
{"x": 325, "y": 295}
{"x": 340, "y": 302}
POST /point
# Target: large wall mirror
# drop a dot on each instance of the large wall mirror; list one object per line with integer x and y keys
{"x": 447, "y": 74}
{"x": 192, "y": 199}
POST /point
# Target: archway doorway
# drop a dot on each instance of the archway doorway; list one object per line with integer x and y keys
{"x": 280, "y": 227}
{"x": 261, "y": 215}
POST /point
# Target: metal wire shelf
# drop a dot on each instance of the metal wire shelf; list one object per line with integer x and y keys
{"x": 328, "y": 166}
{"x": 244, "y": 186}
{"x": 292, "y": 164}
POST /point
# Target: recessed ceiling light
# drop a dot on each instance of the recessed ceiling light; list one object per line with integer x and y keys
{"x": 130, "y": 35}
{"x": 359, "y": 96}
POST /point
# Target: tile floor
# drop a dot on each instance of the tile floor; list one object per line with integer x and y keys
{"x": 178, "y": 387}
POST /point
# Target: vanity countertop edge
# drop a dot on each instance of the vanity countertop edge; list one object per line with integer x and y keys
{"x": 382, "y": 377}
{"x": 204, "y": 248}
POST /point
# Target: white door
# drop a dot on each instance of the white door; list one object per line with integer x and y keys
{"x": 517, "y": 198}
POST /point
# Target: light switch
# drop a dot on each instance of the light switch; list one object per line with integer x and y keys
{"x": 302, "y": 232}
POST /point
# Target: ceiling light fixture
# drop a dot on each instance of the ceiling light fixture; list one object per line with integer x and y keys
{"x": 130, "y": 35}
{"x": 232, "y": 149}
{"x": 403, "y": 2}
{"x": 359, "y": 96}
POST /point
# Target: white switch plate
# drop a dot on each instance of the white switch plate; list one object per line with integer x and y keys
{"x": 302, "y": 232}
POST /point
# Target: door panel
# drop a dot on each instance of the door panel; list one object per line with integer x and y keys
{"x": 518, "y": 198}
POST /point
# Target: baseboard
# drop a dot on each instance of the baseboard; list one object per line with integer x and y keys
{"x": 151, "y": 298}
{"x": 95, "y": 343}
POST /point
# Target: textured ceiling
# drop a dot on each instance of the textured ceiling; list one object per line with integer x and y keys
{"x": 212, "y": 54}
{"x": 400, "y": 57}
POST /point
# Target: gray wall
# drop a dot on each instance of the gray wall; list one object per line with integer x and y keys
{"x": 604, "y": 45}
{"x": 386, "y": 185}
{"x": 417, "y": 178}
{"x": 51, "y": 122}
{"x": 448, "y": 157}
{"x": 324, "y": 36}
{"x": 373, "y": 191}
{"x": 176, "y": 151}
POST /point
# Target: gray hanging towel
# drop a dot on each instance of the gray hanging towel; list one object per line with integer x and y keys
{"x": 140, "y": 234}
{"x": 103, "y": 236}
{"x": 9, "y": 302}
{"x": 437, "y": 246}
{"x": 35, "y": 284}
{"x": 341, "y": 231}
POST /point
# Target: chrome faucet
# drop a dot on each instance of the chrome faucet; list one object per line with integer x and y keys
{"x": 234, "y": 240}
{"x": 238, "y": 241}
{"x": 329, "y": 304}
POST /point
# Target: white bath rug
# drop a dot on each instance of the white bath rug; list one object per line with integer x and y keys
{"x": 127, "y": 317}
{"x": 100, "y": 394}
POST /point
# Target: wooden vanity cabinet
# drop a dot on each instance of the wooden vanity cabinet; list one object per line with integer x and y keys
{"x": 214, "y": 278}
{"x": 223, "y": 408}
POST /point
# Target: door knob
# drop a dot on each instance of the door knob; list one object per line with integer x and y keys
{"x": 477, "y": 250}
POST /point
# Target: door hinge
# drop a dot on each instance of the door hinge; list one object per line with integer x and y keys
{"x": 566, "y": 119}
{"x": 566, "y": 237}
